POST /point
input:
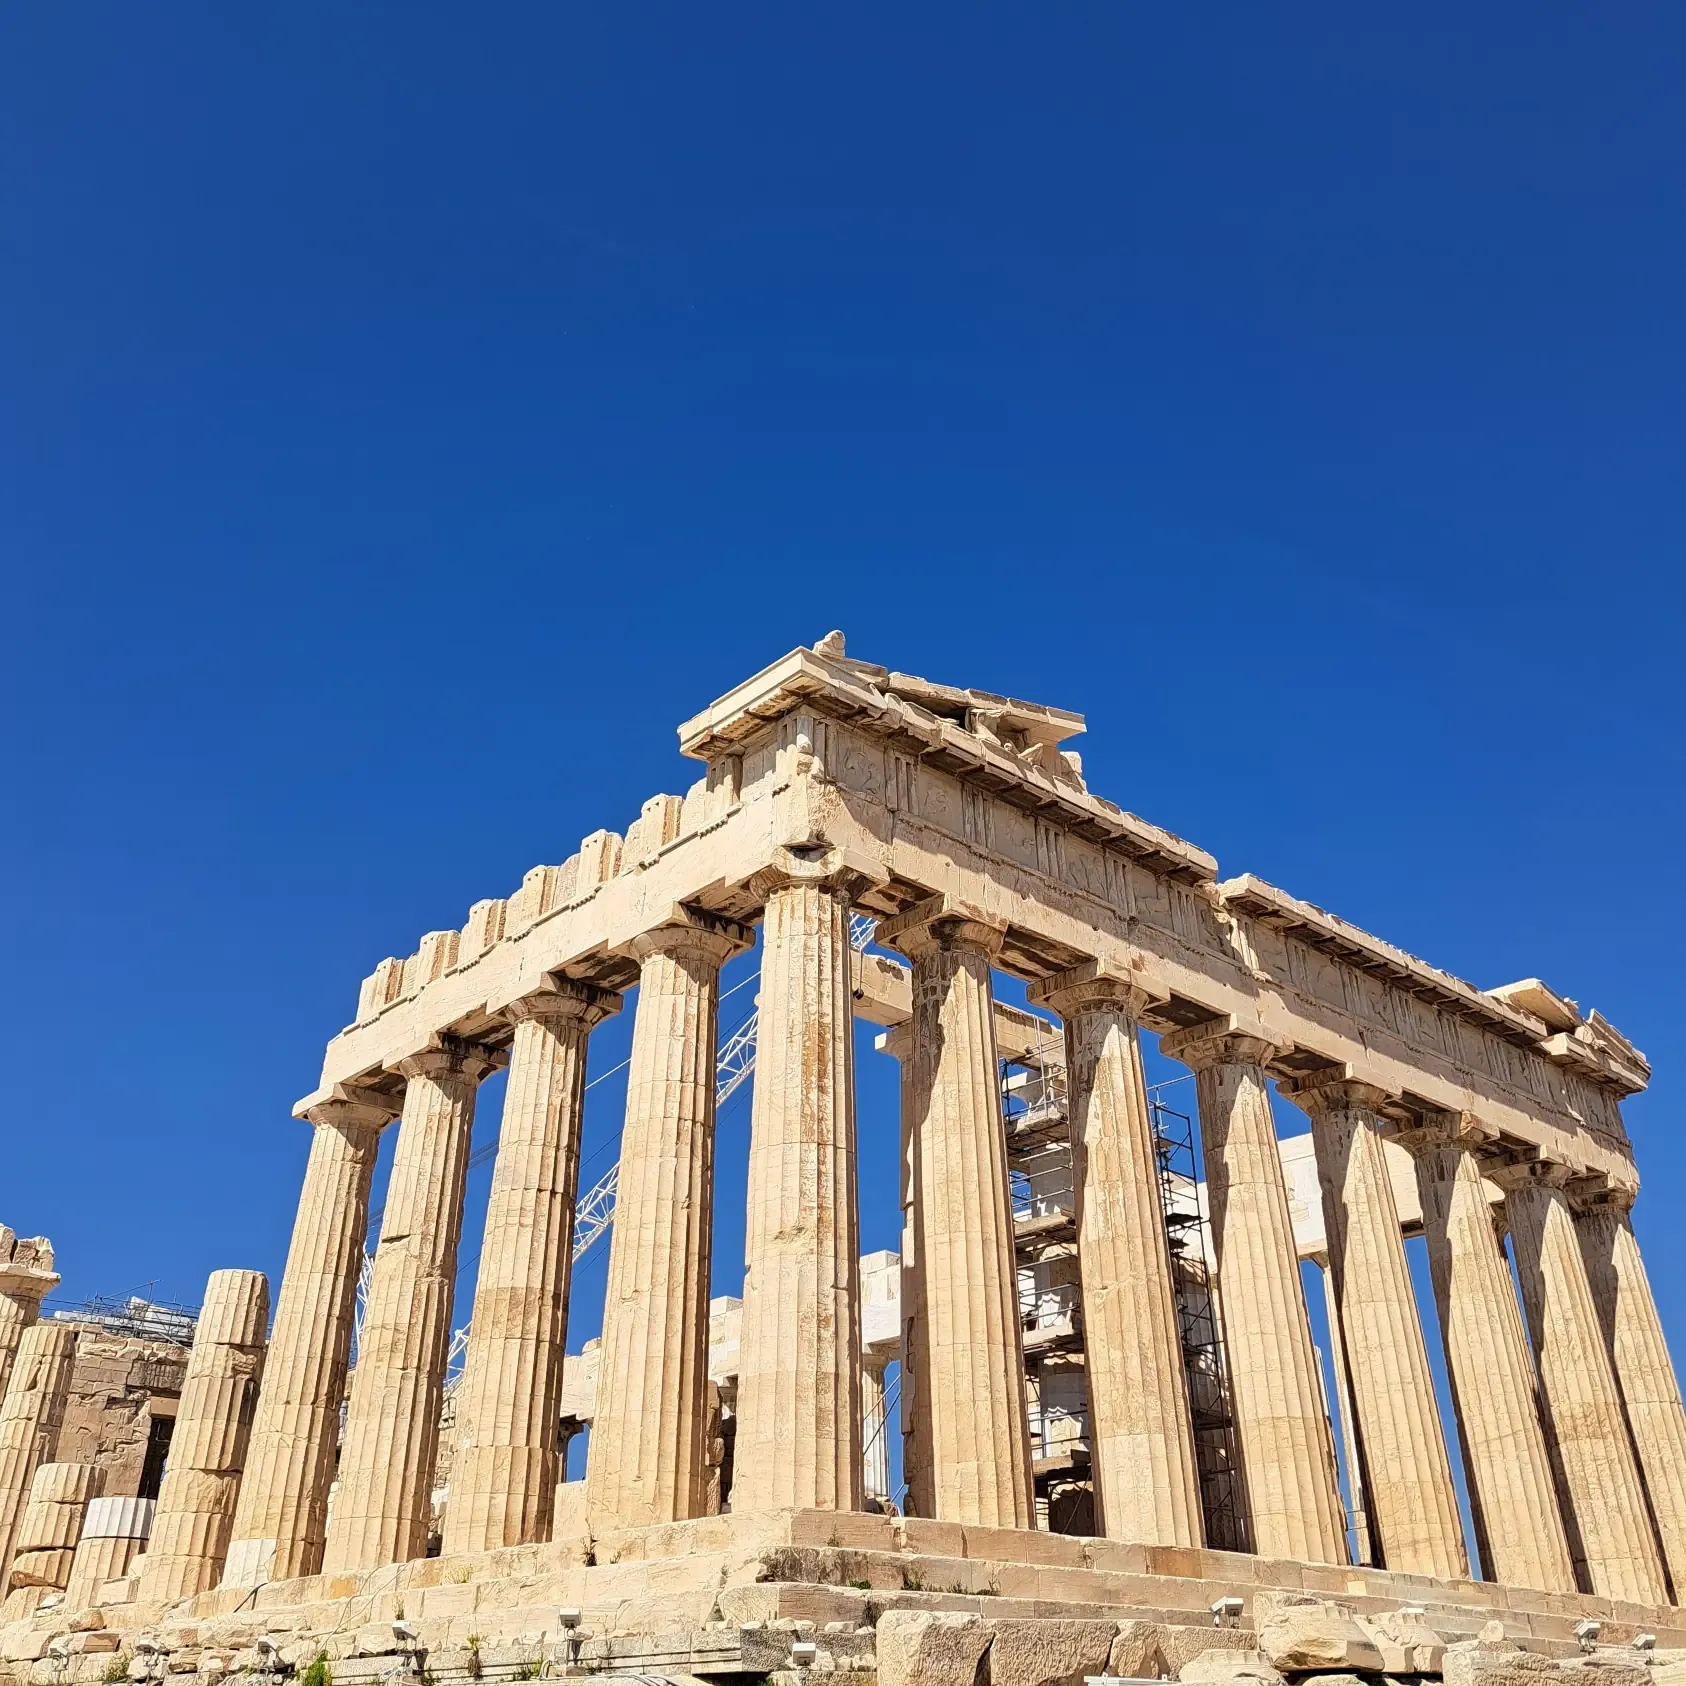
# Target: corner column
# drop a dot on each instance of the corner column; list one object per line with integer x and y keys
{"x": 280, "y": 1522}
{"x": 799, "y": 1394}
{"x": 647, "y": 1462}
{"x": 382, "y": 1510}
{"x": 1519, "y": 1528}
{"x": 190, "y": 1530}
{"x": 1412, "y": 1507}
{"x": 1142, "y": 1445}
{"x": 972, "y": 1357}
{"x": 30, "y": 1418}
{"x": 504, "y": 1474}
{"x": 1274, "y": 1382}
{"x": 1602, "y": 1496}
{"x": 1633, "y": 1335}
{"x": 26, "y": 1278}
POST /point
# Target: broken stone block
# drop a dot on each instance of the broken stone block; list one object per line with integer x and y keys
{"x": 1136, "y": 1651}
{"x": 1493, "y": 1664}
{"x": 1218, "y": 1668}
{"x": 1048, "y": 1653}
{"x": 930, "y": 1648}
{"x": 1300, "y": 1636}
{"x": 1407, "y": 1643}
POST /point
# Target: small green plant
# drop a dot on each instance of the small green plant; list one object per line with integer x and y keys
{"x": 912, "y": 1580}
{"x": 458, "y": 1573}
{"x": 861, "y": 1586}
{"x": 834, "y": 1540}
{"x": 529, "y": 1668}
{"x": 474, "y": 1655}
{"x": 115, "y": 1670}
{"x": 318, "y": 1673}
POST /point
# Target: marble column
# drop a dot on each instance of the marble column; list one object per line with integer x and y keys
{"x": 647, "y": 1461}
{"x": 280, "y": 1521}
{"x": 1275, "y": 1387}
{"x": 1598, "y": 1480}
{"x": 114, "y": 1533}
{"x": 973, "y": 1352}
{"x": 875, "y": 1430}
{"x": 914, "y": 1407}
{"x": 1362, "y": 1552}
{"x": 504, "y": 1473}
{"x": 30, "y": 1418}
{"x": 1412, "y": 1505}
{"x": 799, "y": 1394}
{"x": 382, "y": 1509}
{"x": 190, "y": 1531}
{"x": 26, "y": 1278}
{"x": 1633, "y": 1335}
{"x": 51, "y": 1525}
{"x": 1519, "y": 1528}
{"x": 1141, "y": 1442}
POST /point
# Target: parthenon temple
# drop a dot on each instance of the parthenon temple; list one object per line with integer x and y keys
{"x": 1087, "y": 1421}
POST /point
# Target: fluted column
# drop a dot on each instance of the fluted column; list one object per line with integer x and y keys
{"x": 914, "y": 1406}
{"x": 875, "y": 1430}
{"x": 1360, "y": 1521}
{"x": 504, "y": 1474}
{"x": 799, "y": 1397}
{"x": 1141, "y": 1443}
{"x": 51, "y": 1525}
{"x": 26, "y": 1278}
{"x": 114, "y": 1533}
{"x": 383, "y": 1506}
{"x": 190, "y": 1530}
{"x": 1412, "y": 1505}
{"x": 1277, "y": 1393}
{"x": 973, "y": 1353}
{"x": 1519, "y": 1528}
{"x": 647, "y": 1459}
{"x": 280, "y": 1521}
{"x": 30, "y": 1418}
{"x": 1633, "y": 1335}
{"x": 1599, "y": 1488}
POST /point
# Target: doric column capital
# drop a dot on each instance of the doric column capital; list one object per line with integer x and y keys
{"x": 1093, "y": 984}
{"x": 1334, "y": 1090}
{"x": 691, "y": 931}
{"x": 566, "y": 1000}
{"x": 943, "y": 922}
{"x": 1434, "y": 1132}
{"x": 26, "y": 1281}
{"x": 348, "y": 1107}
{"x": 897, "y": 1041}
{"x": 1527, "y": 1174}
{"x": 451, "y": 1057}
{"x": 840, "y": 871}
{"x": 1220, "y": 1042}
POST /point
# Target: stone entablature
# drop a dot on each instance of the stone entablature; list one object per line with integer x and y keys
{"x": 959, "y": 827}
{"x": 826, "y": 747}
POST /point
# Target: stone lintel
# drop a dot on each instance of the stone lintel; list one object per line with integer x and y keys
{"x": 1094, "y": 983}
{"x": 943, "y": 921}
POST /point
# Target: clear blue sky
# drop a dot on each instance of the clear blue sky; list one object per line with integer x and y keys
{"x": 409, "y": 414}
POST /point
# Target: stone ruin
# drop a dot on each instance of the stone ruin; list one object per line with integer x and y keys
{"x": 1089, "y": 1489}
